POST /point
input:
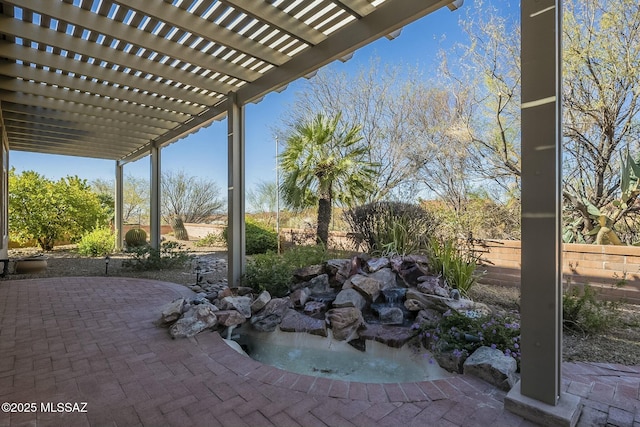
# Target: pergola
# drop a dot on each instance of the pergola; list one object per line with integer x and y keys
{"x": 121, "y": 79}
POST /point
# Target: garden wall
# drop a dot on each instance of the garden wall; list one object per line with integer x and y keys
{"x": 615, "y": 270}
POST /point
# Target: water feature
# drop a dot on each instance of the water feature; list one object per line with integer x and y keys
{"x": 317, "y": 356}
{"x": 389, "y": 308}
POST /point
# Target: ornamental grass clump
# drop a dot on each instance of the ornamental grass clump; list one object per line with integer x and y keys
{"x": 457, "y": 264}
{"x": 462, "y": 335}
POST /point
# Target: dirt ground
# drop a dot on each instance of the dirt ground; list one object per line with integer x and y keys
{"x": 618, "y": 344}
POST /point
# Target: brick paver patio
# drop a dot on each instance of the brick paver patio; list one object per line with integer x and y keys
{"x": 76, "y": 340}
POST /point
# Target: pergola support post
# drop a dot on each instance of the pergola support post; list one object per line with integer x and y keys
{"x": 4, "y": 200}
{"x": 538, "y": 396}
{"x": 235, "y": 201}
{"x": 119, "y": 204}
{"x": 155, "y": 219}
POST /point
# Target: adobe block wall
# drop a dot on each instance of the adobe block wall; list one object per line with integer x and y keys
{"x": 615, "y": 270}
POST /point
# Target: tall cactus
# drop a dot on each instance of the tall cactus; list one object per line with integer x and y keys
{"x": 177, "y": 225}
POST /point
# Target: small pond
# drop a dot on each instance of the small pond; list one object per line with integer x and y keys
{"x": 313, "y": 355}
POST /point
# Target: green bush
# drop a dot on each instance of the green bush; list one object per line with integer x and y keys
{"x": 583, "y": 312}
{"x": 457, "y": 264}
{"x": 211, "y": 239}
{"x": 144, "y": 258}
{"x": 274, "y": 273}
{"x": 99, "y": 242}
{"x": 270, "y": 272}
{"x": 258, "y": 238}
{"x": 390, "y": 227}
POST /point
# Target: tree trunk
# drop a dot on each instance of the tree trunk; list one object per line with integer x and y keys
{"x": 177, "y": 225}
{"x": 324, "y": 219}
{"x": 46, "y": 243}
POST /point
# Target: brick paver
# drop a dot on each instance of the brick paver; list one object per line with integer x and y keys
{"x": 93, "y": 340}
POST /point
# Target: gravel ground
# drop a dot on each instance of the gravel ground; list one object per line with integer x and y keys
{"x": 619, "y": 344}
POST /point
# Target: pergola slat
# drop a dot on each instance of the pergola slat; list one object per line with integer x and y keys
{"x": 96, "y": 88}
{"x": 46, "y": 59}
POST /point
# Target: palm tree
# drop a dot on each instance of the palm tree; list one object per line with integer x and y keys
{"x": 322, "y": 163}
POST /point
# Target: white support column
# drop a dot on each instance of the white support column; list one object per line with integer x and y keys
{"x": 154, "y": 217}
{"x": 119, "y": 203}
{"x": 4, "y": 200}
{"x": 235, "y": 201}
{"x": 538, "y": 396}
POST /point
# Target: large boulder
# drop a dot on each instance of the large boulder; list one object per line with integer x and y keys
{"x": 305, "y": 274}
{"x": 316, "y": 309}
{"x": 260, "y": 301}
{"x": 345, "y": 322}
{"x": 319, "y": 285}
{"x": 387, "y": 278}
{"x": 299, "y": 297}
{"x": 424, "y": 301}
{"x": 409, "y": 272}
{"x": 393, "y": 336}
{"x": 241, "y": 304}
{"x": 367, "y": 286}
{"x": 267, "y": 319}
{"x": 375, "y": 264}
{"x": 339, "y": 269}
{"x": 294, "y": 321}
{"x": 432, "y": 285}
{"x": 194, "y": 321}
{"x": 452, "y": 361}
{"x": 350, "y": 298}
{"x": 391, "y": 316}
{"x": 171, "y": 312}
{"x": 493, "y": 366}
{"x": 230, "y": 318}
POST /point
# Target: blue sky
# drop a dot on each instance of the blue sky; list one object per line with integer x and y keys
{"x": 205, "y": 153}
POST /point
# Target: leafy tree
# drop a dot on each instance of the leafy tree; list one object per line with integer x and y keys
{"x": 323, "y": 162}
{"x": 483, "y": 76}
{"x": 263, "y": 197}
{"x": 135, "y": 190}
{"x": 602, "y": 108}
{"x": 45, "y": 210}
{"x": 188, "y": 199}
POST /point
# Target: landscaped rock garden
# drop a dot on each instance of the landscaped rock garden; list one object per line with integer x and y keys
{"x": 392, "y": 300}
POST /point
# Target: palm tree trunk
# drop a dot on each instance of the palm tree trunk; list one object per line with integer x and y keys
{"x": 324, "y": 219}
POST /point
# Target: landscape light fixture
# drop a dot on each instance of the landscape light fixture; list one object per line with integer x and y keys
{"x": 106, "y": 265}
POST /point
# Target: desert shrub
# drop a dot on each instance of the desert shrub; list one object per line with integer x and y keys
{"x": 270, "y": 272}
{"x": 274, "y": 273}
{"x": 99, "y": 242}
{"x": 462, "y": 335}
{"x": 478, "y": 216}
{"x": 457, "y": 263}
{"x": 144, "y": 258}
{"x": 583, "y": 312}
{"x": 390, "y": 227}
{"x": 259, "y": 238}
{"x": 211, "y": 239}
